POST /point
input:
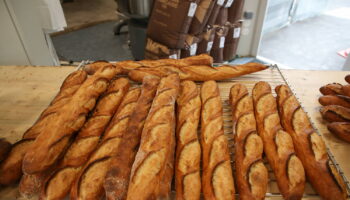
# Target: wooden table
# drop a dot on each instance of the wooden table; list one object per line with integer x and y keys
{"x": 25, "y": 91}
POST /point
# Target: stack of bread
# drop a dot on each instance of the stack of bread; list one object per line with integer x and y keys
{"x": 336, "y": 110}
{"x": 105, "y": 136}
{"x": 186, "y": 28}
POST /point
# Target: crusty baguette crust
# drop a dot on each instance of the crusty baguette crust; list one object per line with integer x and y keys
{"x": 198, "y": 72}
{"x": 117, "y": 178}
{"x": 335, "y": 89}
{"x": 340, "y": 129}
{"x": 150, "y": 161}
{"x": 251, "y": 173}
{"x": 217, "y": 179}
{"x": 309, "y": 147}
{"x": 334, "y": 113}
{"x": 57, "y": 132}
{"x": 278, "y": 145}
{"x": 332, "y": 89}
{"x": 335, "y": 100}
{"x": 30, "y": 184}
{"x": 5, "y": 148}
{"x": 89, "y": 182}
{"x": 188, "y": 150}
{"x": 202, "y": 59}
{"x": 93, "y": 67}
{"x": 347, "y": 78}
{"x": 85, "y": 143}
{"x": 11, "y": 168}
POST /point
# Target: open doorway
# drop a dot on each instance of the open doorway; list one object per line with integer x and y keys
{"x": 306, "y": 34}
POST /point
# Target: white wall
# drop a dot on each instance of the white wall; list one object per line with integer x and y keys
{"x": 22, "y": 39}
{"x": 11, "y": 47}
{"x": 252, "y": 28}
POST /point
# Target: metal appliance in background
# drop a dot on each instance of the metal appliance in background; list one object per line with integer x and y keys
{"x": 135, "y": 14}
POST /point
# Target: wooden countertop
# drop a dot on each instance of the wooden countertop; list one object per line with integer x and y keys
{"x": 26, "y": 90}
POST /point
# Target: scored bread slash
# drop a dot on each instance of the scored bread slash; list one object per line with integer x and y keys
{"x": 251, "y": 173}
{"x": 11, "y": 167}
{"x": 217, "y": 179}
{"x": 85, "y": 142}
{"x": 334, "y": 113}
{"x": 310, "y": 147}
{"x": 278, "y": 144}
{"x": 150, "y": 166}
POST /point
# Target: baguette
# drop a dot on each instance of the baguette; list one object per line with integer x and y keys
{"x": 251, "y": 173}
{"x": 5, "y": 148}
{"x": 85, "y": 142}
{"x": 278, "y": 144}
{"x": 150, "y": 162}
{"x": 57, "y": 132}
{"x": 334, "y": 113}
{"x": 11, "y": 168}
{"x": 347, "y": 78}
{"x": 188, "y": 150}
{"x": 340, "y": 129}
{"x": 93, "y": 67}
{"x": 89, "y": 182}
{"x": 335, "y": 100}
{"x": 217, "y": 179}
{"x": 309, "y": 147}
{"x": 202, "y": 59}
{"x": 335, "y": 89}
{"x": 197, "y": 72}
{"x": 332, "y": 89}
{"x": 117, "y": 178}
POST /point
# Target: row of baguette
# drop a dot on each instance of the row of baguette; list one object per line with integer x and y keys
{"x": 336, "y": 110}
{"x": 151, "y": 173}
{"x": 39, "y": 153}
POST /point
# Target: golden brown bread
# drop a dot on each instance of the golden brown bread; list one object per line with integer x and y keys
{"x": 93, "y": 67}
{"x": 335, "y": 100}
{"x": 5, "y": 148}
{"x": 85, "y": 143}
{"x": 346, "y": 90}
{"x": 309, "y": 147}
{"x": 340, "y": 129}
{"x": 202, "y": 59}
{"x": 30, "y": 184}
{"x": 197, "y": 72}
{"x": 11, "y": 168}
{"x": 58, "y": 131}
{"x": 278, "y": 144}
{"x": 334, "y": 113}
{"x": 151, "y": 159}
{"x": 347, "y": 78}
{"x": 335, "y": 89}
{"x": 217, "y": 179}
{"x": 188, "y": 150}
{"x": 117, "y": 178}
{"x": 332, "y": 89}
{"x": 89, "y": 182}
{"x": 251, "y": 174}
